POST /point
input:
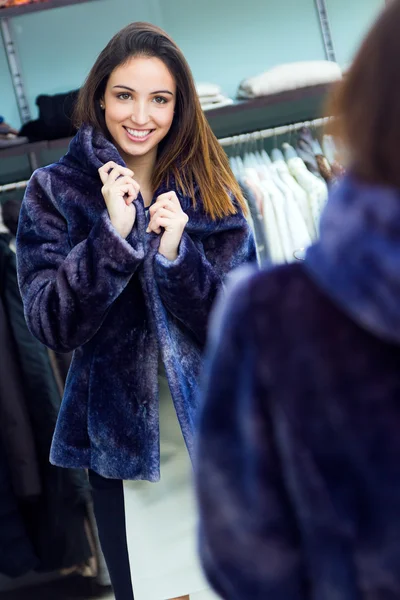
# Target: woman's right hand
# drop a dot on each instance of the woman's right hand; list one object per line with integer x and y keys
{"x": 119, "y": 191}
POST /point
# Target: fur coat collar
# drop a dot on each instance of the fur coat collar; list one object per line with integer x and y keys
{"x": 357, "y": 260}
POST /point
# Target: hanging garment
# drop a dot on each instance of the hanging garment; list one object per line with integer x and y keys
{"x": 55, "y": 522}
{"x": 299, "y": 194}
{"x": 293, "y": 231}
{"x": 257, "y": 220}
{"x": 289, "y": 77}
{"x": 316, "y": 189}
{"x": 310, "y": 151}
{"x": 15, "y": 425}
{"x": 273, "y": 198}
{"x": 17, "y": 555}
{"x": 295, "y": 220}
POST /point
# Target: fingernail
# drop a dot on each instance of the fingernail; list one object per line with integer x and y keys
{"x": 148, "y": 230}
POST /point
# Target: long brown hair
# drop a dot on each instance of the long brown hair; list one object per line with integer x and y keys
{"x": 190, "y": 151}
{"x": 367, "y": 103}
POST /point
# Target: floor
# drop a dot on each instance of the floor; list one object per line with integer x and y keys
{"x": 73, "y": 588}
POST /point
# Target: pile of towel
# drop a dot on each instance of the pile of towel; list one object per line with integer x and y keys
{"x": 211, "y": 96}
{"x": 290, "y": 76}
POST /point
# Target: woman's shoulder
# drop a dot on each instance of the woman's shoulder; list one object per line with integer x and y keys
{"x": 283, "y": 295}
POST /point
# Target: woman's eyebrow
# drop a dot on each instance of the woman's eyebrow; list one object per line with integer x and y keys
{"x": 125, "y": 87}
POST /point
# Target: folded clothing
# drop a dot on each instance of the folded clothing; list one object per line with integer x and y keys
{"x": 219, "y": 104}
{"x": 290, "y": 76}
{"x": 207, "y": 90}
{"x": 11, "y": 140}
{"x": 211, "y": 96}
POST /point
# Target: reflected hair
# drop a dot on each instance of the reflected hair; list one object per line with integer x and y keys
{"x": 366, "y": 104}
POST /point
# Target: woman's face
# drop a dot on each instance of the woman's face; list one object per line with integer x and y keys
{"x": 139, "y": 105}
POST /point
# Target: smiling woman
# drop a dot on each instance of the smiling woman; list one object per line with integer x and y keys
{"x": 123, "y": 246}
{"x": 138, "y": 114}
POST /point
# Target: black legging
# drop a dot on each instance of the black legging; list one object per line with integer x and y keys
{"x": 109, "y": 510}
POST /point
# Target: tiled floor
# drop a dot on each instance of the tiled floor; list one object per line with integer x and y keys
{"x": 73, "y": 588}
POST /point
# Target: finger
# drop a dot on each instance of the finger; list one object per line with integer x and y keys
{"x": 169, "y": 196}
{"x": 163, "y": 203}
{"x": 158, "y": 223}
{"x": 165, "y": 213}
{"x": 153, "y": 227}
{"x": 129, "y": 193}
{"x": 122, "y": 180}
{"x": 118, "y": 172}
{"x": 112, "y": 167}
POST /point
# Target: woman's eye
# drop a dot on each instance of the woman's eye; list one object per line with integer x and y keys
{"x": 124, "y": 96}
{"x": 160, "y": 100}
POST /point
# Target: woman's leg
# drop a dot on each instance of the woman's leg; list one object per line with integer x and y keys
{"x": 109, "y": 510}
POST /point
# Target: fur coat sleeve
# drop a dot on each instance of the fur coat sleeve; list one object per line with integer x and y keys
{"x": 248, "y": 542}
{"x": 68, "y": 291}
{"x": 188, "y": 286}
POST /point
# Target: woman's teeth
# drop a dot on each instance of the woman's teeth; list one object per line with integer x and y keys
{"x": 139, "y": 133}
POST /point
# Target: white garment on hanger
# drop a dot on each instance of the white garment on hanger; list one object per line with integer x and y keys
{"x": 3, "y": 228}
{"x": 271, "y": 227}
{"x": 299, "y": 194}
{"x": 294, "y": 233}
{"x": 316, "y": 188}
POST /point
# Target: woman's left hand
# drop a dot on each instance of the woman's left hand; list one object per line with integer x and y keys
{"x": 167, "y": 214}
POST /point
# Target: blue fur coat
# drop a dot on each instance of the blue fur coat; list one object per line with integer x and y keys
{"x": 120, "y": 306}
{"x": 298, "y": 468}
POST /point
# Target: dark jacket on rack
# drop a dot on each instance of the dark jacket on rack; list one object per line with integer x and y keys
{"x": 15, "y": 426}
{"x": 55, "y": 521}
{"x": 299, "y": 456}
{"x": 119, "y": 304}
{"x": 17, "y": 555}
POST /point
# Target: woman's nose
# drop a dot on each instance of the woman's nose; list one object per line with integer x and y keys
{"x": 140, "y": 114}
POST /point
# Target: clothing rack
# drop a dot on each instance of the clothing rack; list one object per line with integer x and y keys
{"x": 229, "y": 141}
{"x": 10, "y": 187}
{"x": 274, "y": 132}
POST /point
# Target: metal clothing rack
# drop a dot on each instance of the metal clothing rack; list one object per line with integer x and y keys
{"x": 11, "y": 187}
{"x": 229, "y": 141}
{"x": 274, "y": 132}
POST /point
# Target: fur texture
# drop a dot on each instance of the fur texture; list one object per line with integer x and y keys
{"x": 120, "y": 306}
{"x": 298, "y": 461}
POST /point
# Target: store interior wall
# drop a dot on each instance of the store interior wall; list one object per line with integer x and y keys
{"x": 223, "y": 40}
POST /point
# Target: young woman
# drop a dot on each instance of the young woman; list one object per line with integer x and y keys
{"x": 122, "y": 247}
{"x": 300, "y": 433}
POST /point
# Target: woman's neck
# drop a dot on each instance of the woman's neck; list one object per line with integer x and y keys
{"x": 143, "y": 168}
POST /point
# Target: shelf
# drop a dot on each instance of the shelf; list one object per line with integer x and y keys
{"x": 269, "y": 111}
{"x": 241, "y": 117}
{"x": 24, "y": 9}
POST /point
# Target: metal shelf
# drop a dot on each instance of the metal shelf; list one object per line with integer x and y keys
{"x": 24, "y": 9}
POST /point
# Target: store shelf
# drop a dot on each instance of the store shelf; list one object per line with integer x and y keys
{"x": 240, "y": 117}
{"x": 269, "y": 111}
{"x": 24, "y": 9}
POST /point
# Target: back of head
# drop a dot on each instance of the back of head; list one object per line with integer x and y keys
{"x": 367, "y": 103}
